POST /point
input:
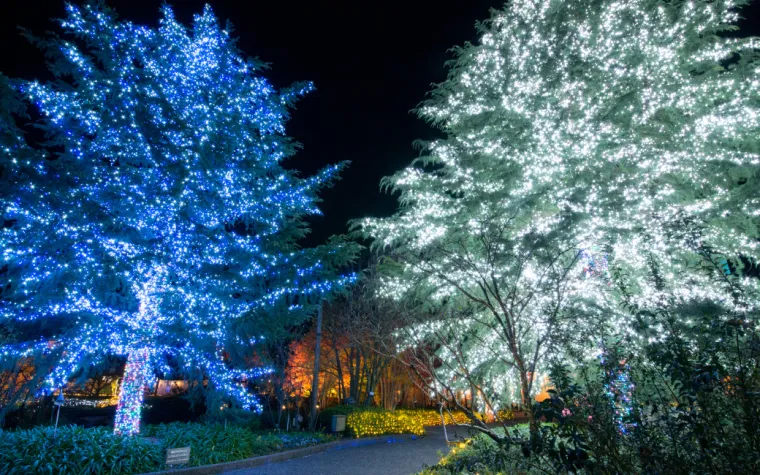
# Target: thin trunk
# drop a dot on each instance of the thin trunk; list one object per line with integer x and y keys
{"x": 279, "y": 394}
{"x": 373, "y": 373}
{"x": 526, "y": 381}
{"x": 315, "y": 380}
{"x": 281, "y": 361}
{"x": 341, "y": 386}
{"x": 363, "y": 377}
{"x": 350, "y": 369}
{"x": 355, "y": 376}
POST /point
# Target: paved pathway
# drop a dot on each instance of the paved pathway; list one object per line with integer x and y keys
{"x": 402, "y": 455}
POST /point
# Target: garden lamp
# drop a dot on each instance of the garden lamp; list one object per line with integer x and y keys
{"x": 58, "y": 403}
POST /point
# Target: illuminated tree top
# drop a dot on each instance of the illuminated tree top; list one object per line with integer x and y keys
{"x": 618, "y": 116}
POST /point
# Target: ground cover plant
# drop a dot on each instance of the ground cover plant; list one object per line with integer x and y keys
{"x": 76, "y": 450}
{"x": 482, "y": 455}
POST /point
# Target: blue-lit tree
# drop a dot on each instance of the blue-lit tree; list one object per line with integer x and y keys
{"x": 162, "y": 216}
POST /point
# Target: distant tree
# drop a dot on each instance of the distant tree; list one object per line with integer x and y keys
{"x": 161, "y": 215}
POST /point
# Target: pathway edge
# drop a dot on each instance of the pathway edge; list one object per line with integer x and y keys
{"x": 280, "y": 456}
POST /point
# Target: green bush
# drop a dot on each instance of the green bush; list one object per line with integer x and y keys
{"x": 77, "y": 450}
{"x": 373, "y": 421}
{"x": 239, "y": 417}
{"x": 324, "y": 419}
{"x": 369, "y": 422}
{"x": 483, "y": 456}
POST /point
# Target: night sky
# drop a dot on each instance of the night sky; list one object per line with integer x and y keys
{"x": 371, "y": 62}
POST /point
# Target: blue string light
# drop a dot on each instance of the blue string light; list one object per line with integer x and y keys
{"x": 167, "y": 216}
{"x": 618, "y": 386}
{"x": 619, "y": 389}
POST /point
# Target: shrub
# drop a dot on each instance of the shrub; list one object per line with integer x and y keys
{"x": 483, "y": 456}
{"x": 163, "y": 410}
{"x": 27, "y": 415}
{"x": 431, "y": 417}
{"x": 371, "y": 421}
{"x": 77, "y": 450}
{"x": 375, "y": 421}
{"x": 239, "y": 417}
{"x": 217, "y": 443}
{"x": 212, "y": 443}
{"x": 324, "y": 419}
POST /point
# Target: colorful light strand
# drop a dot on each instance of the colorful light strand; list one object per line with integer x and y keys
{"x": 619, "y": 389}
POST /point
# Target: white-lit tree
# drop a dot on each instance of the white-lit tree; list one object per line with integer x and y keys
{"x": 161, "y": 213}
{"x": 616, "y": 131}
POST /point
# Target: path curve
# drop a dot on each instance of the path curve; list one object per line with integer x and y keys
{"x": 403, "y": 455}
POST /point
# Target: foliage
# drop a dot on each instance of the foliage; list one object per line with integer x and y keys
{"x": 697, "y": 407}
{"x": 98, "y": 451}
{"x": 369, "y": 422}
{"x": 482, "y": 455}
{"x": 696, "y": 411}
{"x": 372, "y": 421}
{"x": 431, "y": 417}
{"x": 234, "y": 416}
{"x": 76, "y": 451}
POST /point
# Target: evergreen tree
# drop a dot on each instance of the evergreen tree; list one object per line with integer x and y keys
{"x": 161, "y": 218}
{"x": 616, "y": 131}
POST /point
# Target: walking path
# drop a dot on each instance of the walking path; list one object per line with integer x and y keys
{"x": 400, "y": 455}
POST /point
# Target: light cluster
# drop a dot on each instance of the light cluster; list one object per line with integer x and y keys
{"x": 619, "y": 389}
{"x": 163, "y": 214}
{"x": 368, "y": 423}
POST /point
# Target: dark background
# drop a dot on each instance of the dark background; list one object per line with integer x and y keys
{"x": 372, "y": 62}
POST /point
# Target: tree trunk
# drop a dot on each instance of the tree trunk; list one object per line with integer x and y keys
{"x": 350, "y": 369}
{"x": 363, "y": 377}
{"x": 373, "y": 373}
{"x": 315, "y": 380}
{"x": 341, "y": 386}
{"x": 526, "y": 381}
{"x": 132, "y": 392}
{"x": 355, "y": 376}
{"x": 279, "y": 394}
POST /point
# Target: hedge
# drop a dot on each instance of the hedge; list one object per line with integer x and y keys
{"x": 372, "y": 421}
